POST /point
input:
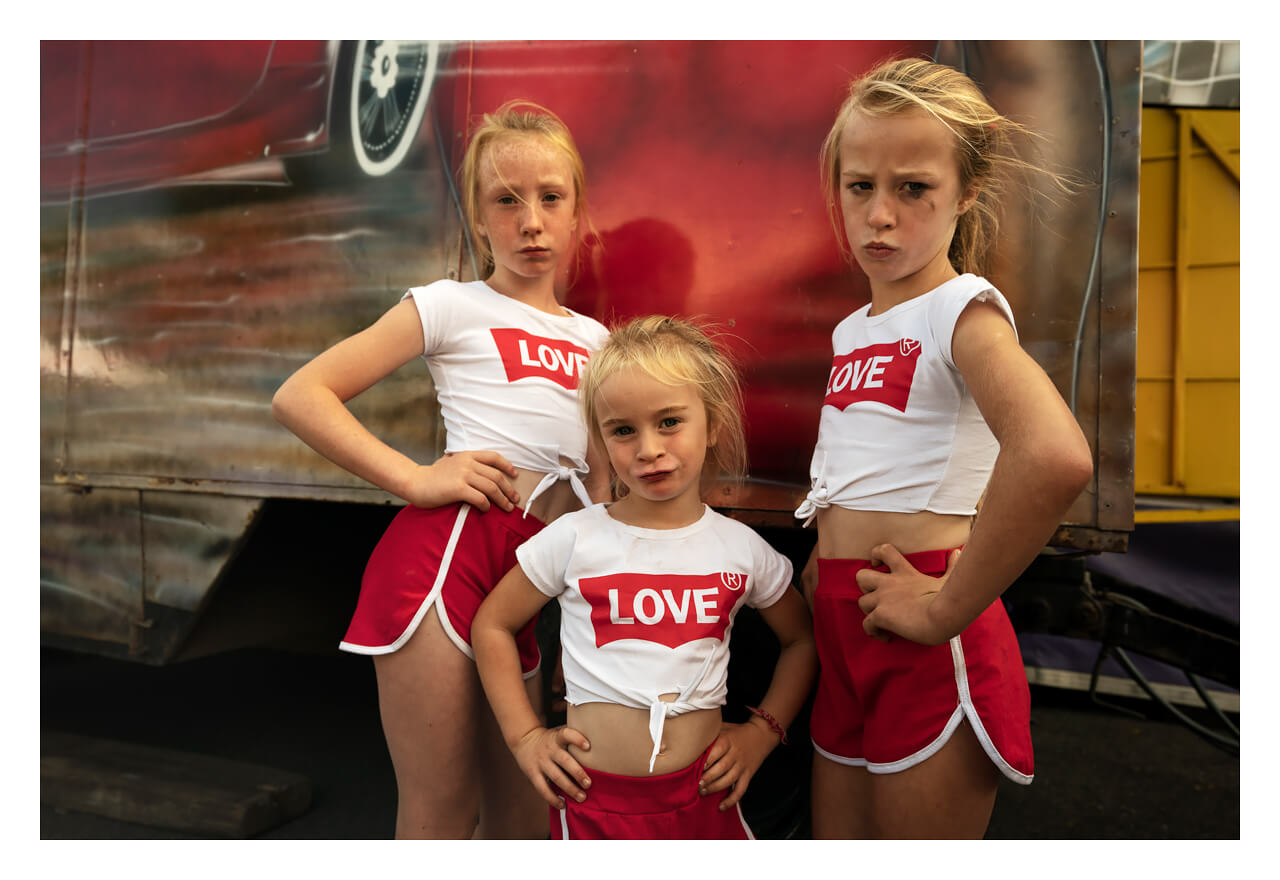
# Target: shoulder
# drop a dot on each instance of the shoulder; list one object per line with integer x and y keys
{"x": 741, "y": 534}
{"x": 589, "y": 329}
{"x": 850, "y": 322}
{"x": 951, "y": 318}
{"x": 443, "y": 290}
{"x": 949, "y": 300}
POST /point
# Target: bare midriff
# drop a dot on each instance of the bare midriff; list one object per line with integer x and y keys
{"x": 557, "y": 500}
{"x": 850, "y": 534}
{"x": 620, "y": 743}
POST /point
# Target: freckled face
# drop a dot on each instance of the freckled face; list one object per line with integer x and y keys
{"x": 900, "y": 194}
{"x": 527, "y": 206}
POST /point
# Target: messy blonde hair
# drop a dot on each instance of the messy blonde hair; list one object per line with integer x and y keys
{"x": 675, "y": 352}
{"x": 985, "y": 152}
{"x": 516, "y": 118}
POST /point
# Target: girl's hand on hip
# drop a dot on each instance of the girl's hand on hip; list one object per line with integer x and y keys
{"x": 734, "y": 758}
{"x": 898, "y": 602}
{"x": 544, "y": 757}
{"x": 477, "y": 478}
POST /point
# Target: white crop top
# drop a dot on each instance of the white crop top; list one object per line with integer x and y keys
{"x": 899, "y": 429}
{"x": 506, "y": 377}
{"x": 645, "y": 612}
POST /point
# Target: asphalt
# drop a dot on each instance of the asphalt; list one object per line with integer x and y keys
{"x": 1101, "y": 774}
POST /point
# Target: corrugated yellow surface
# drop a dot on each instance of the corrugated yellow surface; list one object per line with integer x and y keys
{"x": 1188, "y": 443}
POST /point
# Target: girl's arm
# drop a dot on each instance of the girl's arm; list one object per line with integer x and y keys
{"x": 741, "y": 748}
{"x": 312, "y": 404}
{"x": 1043, "y": 464}
{"x": 541, "y": 753}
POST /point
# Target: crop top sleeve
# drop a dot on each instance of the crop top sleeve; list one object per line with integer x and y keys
{"x": 899, "y": 429}
{"x": 646, "y": 612}
{"x": 506, "y": 377}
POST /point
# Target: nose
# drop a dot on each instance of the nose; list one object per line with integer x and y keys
{"x": 880, "y": 212}
{"x": 530, "y": 217}
{"x": 650, "y": 446}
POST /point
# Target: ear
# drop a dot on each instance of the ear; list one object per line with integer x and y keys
{"x": 966, "y": 201}
{"x": 713, "y": 434}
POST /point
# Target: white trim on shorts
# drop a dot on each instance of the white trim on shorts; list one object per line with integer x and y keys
{"x": 434, "y": 597}
{"x": 965, "y": 710}
{"x": 564, "y": 822}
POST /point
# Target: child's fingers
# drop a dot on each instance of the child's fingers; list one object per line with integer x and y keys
{"x": 718, "y": 776}
{"x": 739, "y": 789}
{"x": 569, "y": 736}
{"x": 495, "y": 459}
{"x": 563, "y": 781}
{"x": 545, "y": 792}
{"x": 492, "y": 490}
{"x": 888, "y": 555}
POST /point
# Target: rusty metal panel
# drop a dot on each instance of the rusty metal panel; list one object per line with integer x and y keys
{"x": 186, "y": 322}
{"x": 91, "y": 584}
{"x": 1069, "y": 265}
{"x": 187, "y": 539}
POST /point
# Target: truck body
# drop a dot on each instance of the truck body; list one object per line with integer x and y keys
{"x": 178, "y": 518}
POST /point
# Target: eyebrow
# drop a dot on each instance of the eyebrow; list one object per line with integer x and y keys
{"x": 662, "y": 413}
{"x": 853, "y": 172}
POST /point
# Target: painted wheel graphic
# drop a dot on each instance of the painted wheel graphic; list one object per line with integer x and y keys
{"x": 390, "y": 81}
{"x": 380, "y": 94}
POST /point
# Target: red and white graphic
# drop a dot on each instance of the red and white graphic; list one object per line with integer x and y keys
{"x": 878, "y": 373}
{"x": 669, "y": 609}
{"x": 525, "y": 355}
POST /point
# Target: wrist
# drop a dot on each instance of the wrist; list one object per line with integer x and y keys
{"x": 946, "y": 615}
{"x": 765, "y": 722}
{"x": 514, "y": 743}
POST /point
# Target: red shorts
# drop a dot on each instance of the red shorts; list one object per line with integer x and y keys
{"x": 666, "y": 807}
{"x": 450, "y": 557}
{"x": 889, "y": 706}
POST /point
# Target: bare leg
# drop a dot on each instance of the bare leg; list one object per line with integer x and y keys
{"x": 950, "y": 795}
{"x": 430, "y": 699}
{"x": 841, "y": 801}
{"x": 510, "y": 808}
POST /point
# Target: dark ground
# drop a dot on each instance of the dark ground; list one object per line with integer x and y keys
{"x": 1099, "y": 774}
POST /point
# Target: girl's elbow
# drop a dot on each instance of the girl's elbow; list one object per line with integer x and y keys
{"x": 1071, "y": 464}
{"x": 282, "y": 403}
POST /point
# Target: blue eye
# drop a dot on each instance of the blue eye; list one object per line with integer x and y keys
{"x": 915, "y": 188}
{"x": 623, "y": 431}
{"x": 669, "y": 422}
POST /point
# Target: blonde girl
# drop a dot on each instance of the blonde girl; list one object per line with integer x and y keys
{"x": 922, "y": 700}
{"x": 506, "y": 359}
{"x": 648, "y": 588}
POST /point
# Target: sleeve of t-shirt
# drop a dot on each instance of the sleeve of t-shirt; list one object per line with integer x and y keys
{"x": 544, "y": 558}
{"x": 771, "y": 574}
{"x": 435, "y": 304}
{"x": 945, "y": 310}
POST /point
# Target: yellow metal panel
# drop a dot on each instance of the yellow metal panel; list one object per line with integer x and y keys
{"x": 1213, "y": 324}
{"x": 1159, "y": 134}
{"x": 1156, "y": 210}
{"x": 1213, "y": 438}
{"x": 1187, "y": 426}
{"x": 1155, "y": 324}
{"x": 1151, "y": 464}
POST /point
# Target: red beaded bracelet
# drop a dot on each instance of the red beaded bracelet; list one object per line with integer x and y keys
{"x": 771, "y": 721}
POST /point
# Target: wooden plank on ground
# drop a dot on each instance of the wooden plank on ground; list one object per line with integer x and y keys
{"x": 164, "y": 788}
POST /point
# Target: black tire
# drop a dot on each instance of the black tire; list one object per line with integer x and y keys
{"x": 379, "y": 98}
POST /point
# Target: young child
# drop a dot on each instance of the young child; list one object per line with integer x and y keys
{"x": 922, "y": 699}
{"x": 506, "y": 359}
{"x": 649, "y": 587}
